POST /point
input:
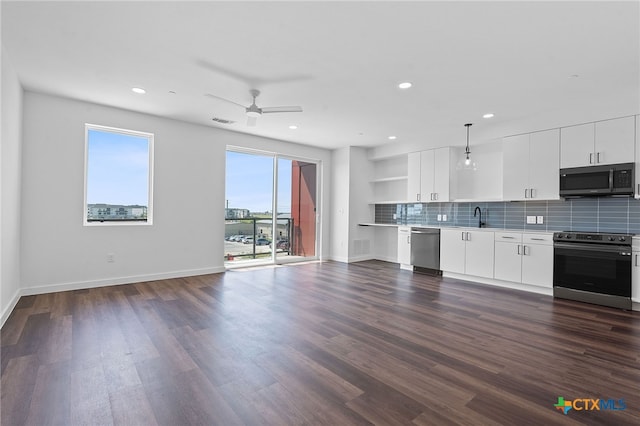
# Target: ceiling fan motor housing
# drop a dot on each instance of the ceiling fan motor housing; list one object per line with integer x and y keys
{"x": 253, "y": 111}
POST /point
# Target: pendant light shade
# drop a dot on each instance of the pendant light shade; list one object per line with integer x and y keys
{"x": 467, "y": 160}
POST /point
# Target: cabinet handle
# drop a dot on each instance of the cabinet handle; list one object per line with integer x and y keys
{"x": 636, "y": 260}
{"x": 510, "y": 238}
{"x": 538, "y": 239}
{"x": 462, "y": 235}
{"x": 598, "y": 157}
{"x": 435, "y": 196}
{"x": 524, "y": 251}
{"x": 432, "y": 196}
{"x": 531, "y": 191}
{"x": 468, "y": 237}
{"x": 518, "y": 249}
{"x": 591, "y": 158}
{"x": 417, "y": 197}
{"x": 408, "y": 239}
{"x": 526, "y": 193}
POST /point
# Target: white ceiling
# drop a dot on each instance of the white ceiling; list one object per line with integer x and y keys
{"x": 341, "y": 61}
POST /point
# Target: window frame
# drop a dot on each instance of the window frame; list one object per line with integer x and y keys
{"x": 124, "y": 222}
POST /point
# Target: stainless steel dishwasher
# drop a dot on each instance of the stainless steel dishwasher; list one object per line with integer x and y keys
{"x": 425, "y": 249}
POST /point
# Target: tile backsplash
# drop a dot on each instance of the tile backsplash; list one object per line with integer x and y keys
{"x": 597, "y": 214}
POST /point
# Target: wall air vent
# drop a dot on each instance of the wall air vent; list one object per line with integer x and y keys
{"x": 222, "y": 120}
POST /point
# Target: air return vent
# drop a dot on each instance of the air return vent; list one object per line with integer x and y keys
{"x": 222, "y": 120}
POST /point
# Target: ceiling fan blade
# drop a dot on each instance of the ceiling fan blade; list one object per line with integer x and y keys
{"x": 268, "y": 110}
{"x": 209, "y": 95}
{"x": 251, "y": 121}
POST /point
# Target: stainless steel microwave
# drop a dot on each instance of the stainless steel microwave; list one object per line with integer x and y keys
{"x": 613, "y": 179}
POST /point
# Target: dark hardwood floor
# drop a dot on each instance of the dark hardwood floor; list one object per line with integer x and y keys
{"x": 315, "y": 344}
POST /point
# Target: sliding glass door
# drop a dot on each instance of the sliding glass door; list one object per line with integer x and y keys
{"x": 255, "y": 232}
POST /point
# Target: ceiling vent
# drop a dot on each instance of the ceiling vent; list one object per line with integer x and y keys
{"x": 222, "y": 120}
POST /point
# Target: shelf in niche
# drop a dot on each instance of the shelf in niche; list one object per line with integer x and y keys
{"x": 387, "y": 202}
{"x": 390, "y": 179}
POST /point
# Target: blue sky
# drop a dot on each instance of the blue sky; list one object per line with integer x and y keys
{"x": 249, "y": 182}
{"x": 117, "y": 169}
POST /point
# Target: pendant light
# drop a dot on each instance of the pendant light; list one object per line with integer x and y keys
{"x": 467, "y": 160}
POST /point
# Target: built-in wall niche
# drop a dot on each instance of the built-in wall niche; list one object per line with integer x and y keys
{"x": 390, "y": 179}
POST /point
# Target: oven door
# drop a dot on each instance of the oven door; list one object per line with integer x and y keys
{"x": 592, "y": 268}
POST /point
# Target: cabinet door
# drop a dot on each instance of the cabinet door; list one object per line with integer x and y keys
{"x": 515, "y": 151}
{"x": 544, "y": 165}
{"x": 615, "y": 141}
{"x": 508, "y": 266}
{"x": 577, "y": 145}
{"x": 413, "y": 173}
{"x": 452, "y": 250}
{"x": 479, "y": 254}
{"x": 441, "y": 173}
{"x": 537, "y": 265}
{"x": 404, "y": 245}
{"x": 635, "y": 277}
{"x": 427, "y": 174}
{"x": 637, "y": 156}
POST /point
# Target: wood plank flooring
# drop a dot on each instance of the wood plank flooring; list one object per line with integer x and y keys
{"x": 315, "y": 344}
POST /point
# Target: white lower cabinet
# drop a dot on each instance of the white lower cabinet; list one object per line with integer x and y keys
{"x": 404, "y": 246}
{"x": 635, "y": 272}
{"x": 524, "y": 258}
{"x": 467, "y": 252}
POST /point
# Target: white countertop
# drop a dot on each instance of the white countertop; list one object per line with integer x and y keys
{"x": 465, "y": 228}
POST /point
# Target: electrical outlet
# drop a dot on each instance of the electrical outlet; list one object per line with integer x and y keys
{"x": 439, "y": 218}
{"x": 444, "y": 217}
{"x": 540, "y": 220}
{"x": 111, "y": 257}
{"x": 531, "y": 219}
{"x": 395, "y": 216}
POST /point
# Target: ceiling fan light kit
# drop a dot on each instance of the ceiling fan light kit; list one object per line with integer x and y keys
{"x": 253, "y": 111}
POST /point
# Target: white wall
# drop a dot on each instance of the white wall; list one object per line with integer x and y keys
{"x": 10, "y": 171}
{"x": 361, "y": 239}
{"x": 187, "y": 234}
{"x": 350, "y": 194}
{"x": 340, "y": 204}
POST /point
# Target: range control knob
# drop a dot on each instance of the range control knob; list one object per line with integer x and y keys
{"x": 568, "y": 236}
{"x": 611, "y": 239}
{"x": 621, "y": 238}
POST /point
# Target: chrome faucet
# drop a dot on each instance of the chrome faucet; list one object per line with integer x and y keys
{"x": 475, "y": 212}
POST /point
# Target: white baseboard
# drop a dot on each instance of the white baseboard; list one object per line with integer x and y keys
{"x": 80, "y": 285}
{"x": 505, "y": 284}
{"x": 12, "y": 304}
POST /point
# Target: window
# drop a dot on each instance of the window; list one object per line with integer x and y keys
{"x": 118, "y": 176}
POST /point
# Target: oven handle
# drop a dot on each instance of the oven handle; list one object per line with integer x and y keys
{"x": 593, "y": 248}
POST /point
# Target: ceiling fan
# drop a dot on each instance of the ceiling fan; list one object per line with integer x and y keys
{"x": 253, "y": 111}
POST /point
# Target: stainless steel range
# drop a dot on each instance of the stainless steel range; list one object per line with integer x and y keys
{"x": 593, "y": 268}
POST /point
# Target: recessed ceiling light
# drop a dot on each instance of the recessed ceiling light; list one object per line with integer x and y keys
{"x": 574, "y": 76}
{"x": 404, "y": 85}
{"x": 293, "y": 127}
{"x": 139, "y": 90}
{"x": 392, "y": 137}
{"x": 488, "y": 115}
{"x": 172, "y": 92}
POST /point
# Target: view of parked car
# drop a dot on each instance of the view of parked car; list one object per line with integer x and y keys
{"x": 262, "y": 242}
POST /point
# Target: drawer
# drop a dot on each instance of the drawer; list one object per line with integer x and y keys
{"x": 542, "y": 239}
{"x": 509, "y": 237}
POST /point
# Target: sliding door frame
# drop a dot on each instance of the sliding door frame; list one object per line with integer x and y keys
{"x": 274, "y": 209}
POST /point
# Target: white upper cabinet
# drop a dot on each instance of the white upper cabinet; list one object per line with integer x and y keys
{"x": 413, "y": 184}
{"x": 429, "y": 173}
{"x": 530, "y": 166}
{"x": 603, "y": 142}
